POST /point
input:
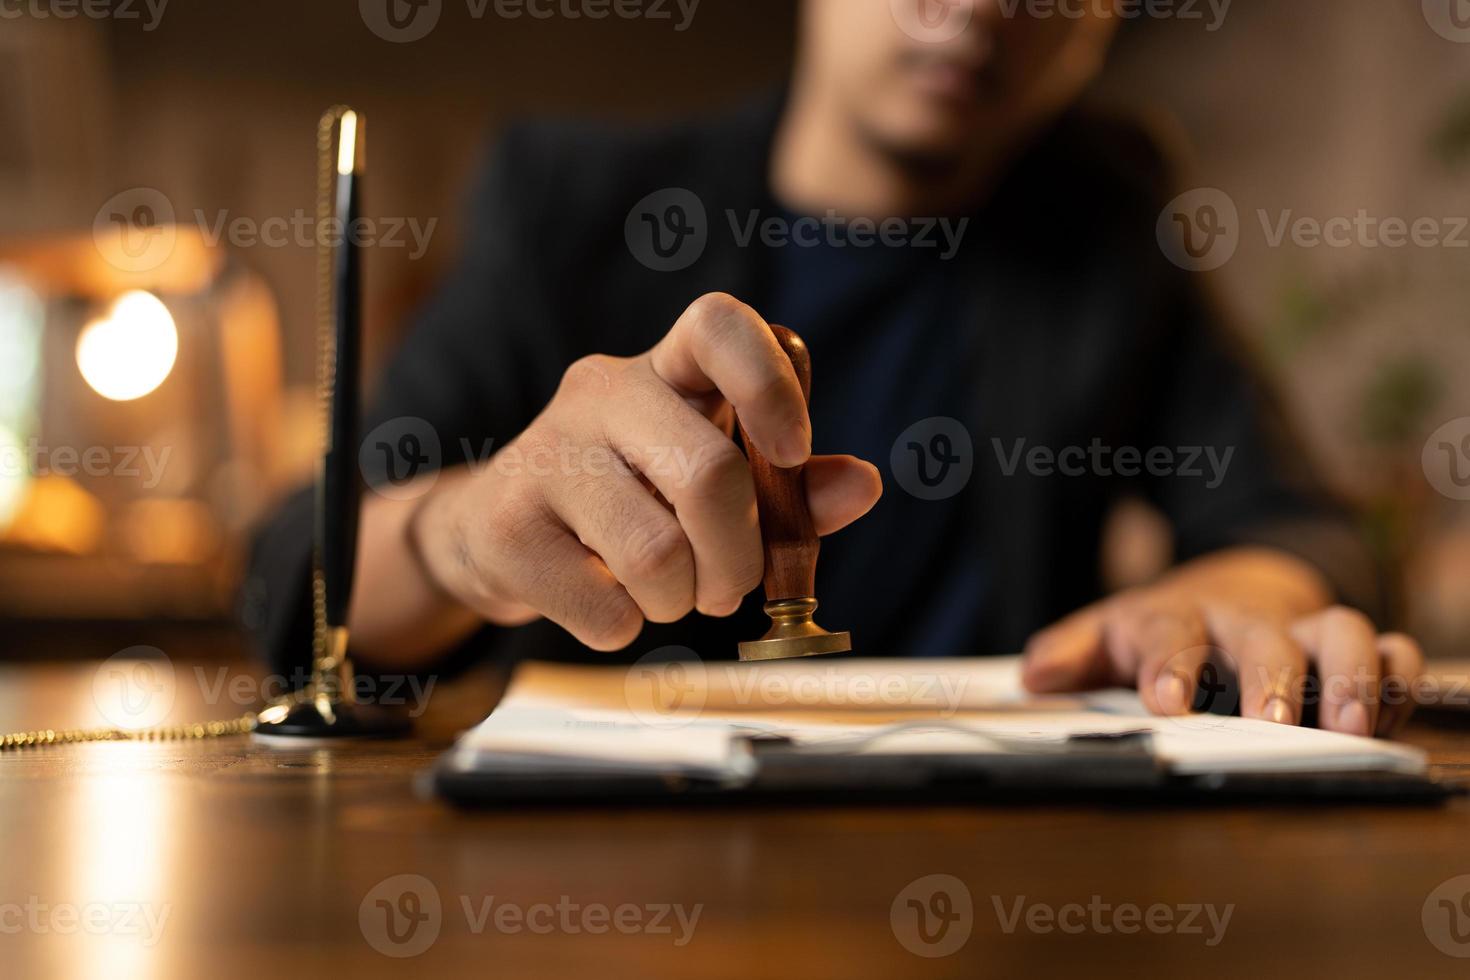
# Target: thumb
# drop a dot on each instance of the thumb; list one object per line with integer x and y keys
{"x": 839, "y": 490}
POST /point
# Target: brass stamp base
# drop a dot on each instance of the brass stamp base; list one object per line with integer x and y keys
{"x": 794, "y": 633}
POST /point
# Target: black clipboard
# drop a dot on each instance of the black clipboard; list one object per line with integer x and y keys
{"x": 1120, "y": 770}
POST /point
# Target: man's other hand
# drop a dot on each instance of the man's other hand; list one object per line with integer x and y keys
{"x": 1262, "y": 613}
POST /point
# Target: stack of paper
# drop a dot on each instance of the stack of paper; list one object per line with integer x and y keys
{"x": 700, "y": 720}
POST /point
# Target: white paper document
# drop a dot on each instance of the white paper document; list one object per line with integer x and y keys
{"x": 700, "y": 720}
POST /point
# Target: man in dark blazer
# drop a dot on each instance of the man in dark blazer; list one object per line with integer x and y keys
{"x": 973, "y": 263}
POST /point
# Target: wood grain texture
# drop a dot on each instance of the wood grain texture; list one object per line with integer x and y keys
{"x": 790, "y": 538}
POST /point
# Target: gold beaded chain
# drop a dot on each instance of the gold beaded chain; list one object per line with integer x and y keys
{"x": 326, "y": 362}
{"x": 242, "y": 725}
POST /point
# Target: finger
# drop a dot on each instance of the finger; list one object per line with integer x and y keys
{"x": 839, "y": 490}
{"x": 722, "y": 414}
{"x": 1067, "y": 656}
{"x": 1172, "y": 645}
{"x": 1270, "y": 665}
{"x": 1403, "y": 665}
{"x": 722, "y": 345}
{"x": 549, "y": 570}
{"x": 638, "y": 539}
{"x": 704, "y": 477}
{"x": 1345, "y": 646}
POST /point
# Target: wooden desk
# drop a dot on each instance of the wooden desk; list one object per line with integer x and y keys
{"x": 263, "y": 858}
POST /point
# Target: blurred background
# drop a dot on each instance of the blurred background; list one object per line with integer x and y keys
{"x": 156, "y": 365}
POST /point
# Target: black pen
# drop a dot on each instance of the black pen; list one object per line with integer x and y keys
{"x": 329, "y": 707}
{"x": 339, "y": 483}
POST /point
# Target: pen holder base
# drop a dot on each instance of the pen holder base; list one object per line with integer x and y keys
{"x": 320, "y": 718}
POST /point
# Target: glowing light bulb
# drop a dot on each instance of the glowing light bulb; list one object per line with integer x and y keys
{"x": 131, "y": 351}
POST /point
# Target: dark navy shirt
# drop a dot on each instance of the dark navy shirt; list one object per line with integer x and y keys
{"x": 892, "y": 331}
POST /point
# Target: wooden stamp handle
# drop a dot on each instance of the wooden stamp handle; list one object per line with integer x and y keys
{"x": 787, "y": 532}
